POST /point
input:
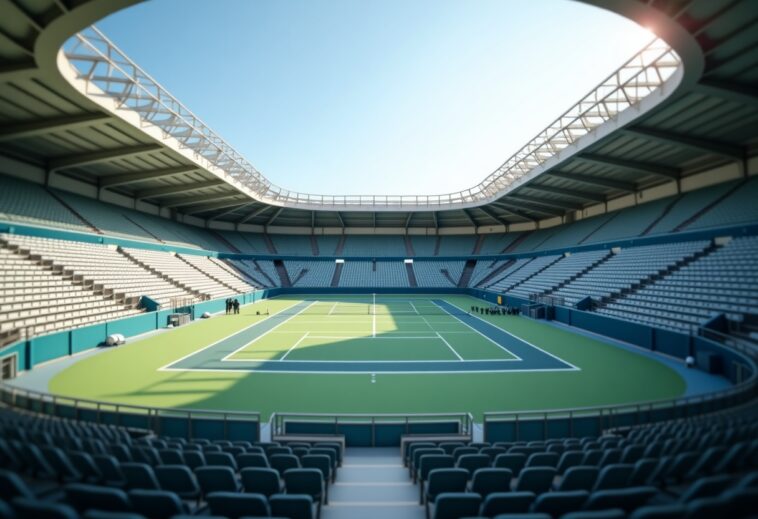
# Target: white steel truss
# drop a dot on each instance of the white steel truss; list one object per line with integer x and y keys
{"x": 97, "y": 61}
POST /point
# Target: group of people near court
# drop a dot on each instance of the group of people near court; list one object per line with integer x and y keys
{"x": 495, "y": 310}
{"x": 232, "y": 306}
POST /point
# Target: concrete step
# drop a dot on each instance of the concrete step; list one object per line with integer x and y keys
{"x": 373, "y": 484}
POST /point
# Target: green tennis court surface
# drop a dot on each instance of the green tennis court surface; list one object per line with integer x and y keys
{"x": 326, "y": 354}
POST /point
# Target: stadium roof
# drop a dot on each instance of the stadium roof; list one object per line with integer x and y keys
{"x": 91, "y": 114}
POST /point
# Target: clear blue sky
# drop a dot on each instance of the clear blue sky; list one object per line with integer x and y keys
{"x": 376, "y": 96}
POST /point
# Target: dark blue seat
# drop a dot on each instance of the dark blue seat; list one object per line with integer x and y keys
{"x": 441, "y": 481}
{"x": 284, "y": 462}
{"x": 613, "y": 476}
{"x": 569, "y": 459}
{"x": 706, "y": 487}
{"x": 455, "y": 505}
{"x": 472, "y": 462}
{"x": 559, "y": 503}
{"x": 139, "y": 475}
{"x": 216, "y": 479}
{"x": 85, "y": 497}
{"x": 171, "y": 457}
{"x": 580, "y": 477}
{"x": 610, "y": 513}
{"x": 429, "y": 462}
{"x": 464, "y": 451}
{"x": 235, "y": 505}
{"x": 221, "y": 459}
{"x": 157, "y": 504}
{"x": 11, "y": 486}
{"x": 513, "y": 462}
{"x": 535, "y": 479}
{"x": 252, "y": 460}
{"x": 61, "y": 464}
{"x": 670, "y": 511}
{"x": 322, "y": 463}
{"x": 278, "y": 449}
{"x": 506, "y": 503}
{"x": 626, "y": 499}
{"x": 293, "y": 506}
{"x": 643, "y": 471}
{"x": 36, "y": 509}
{"x": 110, "y": 469}
{"x": 416, "y": 459}
{"x": 488, "y": 480}
{"x": 261, "y": 481}
{"x": 307, "y": 482}
{"x": 542, "y": 459}
{"x": 86, "y": 466}
{"x": 178, "y": 479}
{"x": 104, "y": 514}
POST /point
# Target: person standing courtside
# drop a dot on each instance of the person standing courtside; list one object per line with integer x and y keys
{"x": 236, "y": 304}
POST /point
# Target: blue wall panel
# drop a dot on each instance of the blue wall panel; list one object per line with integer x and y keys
{"x": 672, "y": 343}
{"x": 634, "y": 333}
{"x": 49, "y": 347}
{"x": 88, "y": 337}
{"x": 132, "y": 326}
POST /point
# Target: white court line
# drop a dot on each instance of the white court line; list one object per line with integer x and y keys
{"x": 414, "y": 307}
{"x": 266, "y": 333}
{"x": 451, "y": 348}
{"x": 333, "y": 307}
{"x": 575, "y": 368}
{"x": 477, "y": 331}
{"x": 294, "y": 346}
{"x": 373, "y": 326}
{"x": 166, "y": 367}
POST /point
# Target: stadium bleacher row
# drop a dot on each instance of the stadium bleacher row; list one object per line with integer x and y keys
{"x": 697, "y": 468}
{"x": 714, "y": 206}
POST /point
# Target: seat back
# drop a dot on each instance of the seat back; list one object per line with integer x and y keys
{"x": 139, "y": 475}
{"x": 179, "y": 479}
{"x": 446, "y": 480}
{"x": 489, "y": 480}
{"x": 157, "y": 504}
{"x": 536, "y": 479}
{"x": 542, "y": 459}
{"x": 84, "y": 497}
{"x": 613, "y": 476}
{"x": 221, "y": 458}
{"x": 506, "y": 503}
{"x": 261, "y": 480}
{"x": 580, "y": 477}
{"x": 513, "y": 462}
{"x": 473, "y": 462}
{"x": 284, "y": 462}
{"x": 558, "y": 503}
{"x": 433, "y": 461}
{"x": 235, "y": 505}
{"x": 304, "y": 481}
{"x": 292, "y": 506}
{"x": 216, "y": 478}
{"x": 454, "y": 505}
{"x": 37, "y": 509}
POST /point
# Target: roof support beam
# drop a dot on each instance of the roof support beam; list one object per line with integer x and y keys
{"x": 198, "y": 199}
{"x": 631, "y": 165}
{"x": 140, "y": 176}
{"x": 514, "y": 212}
{"x": 687, "y": 141}
{"x": 173, "y": 190}
{"x": 274, "y": 216}
{"x": 313, "y": 219}
{"x": 470, "y": 218}
{"x": 568, "y": 206}
{"x": 436, "y": 222}
{"x": 408, "y": 220}
{"x": 42, "y": 126}
{"x": 230, "y": 211}
{"x": 254, "y": 213}
{"x": 573, "y": 193}
{"x": 590, "y": 180}
{"x": 93, "y": 157}
{"x": 213, "y": 207}
{"x": 530, "y": 207}
{"x": 739, "y": 93}
{"x": 492, "y": 214}
{"x": 339, "y": 217}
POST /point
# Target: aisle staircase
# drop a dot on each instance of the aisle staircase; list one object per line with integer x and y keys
{"x": 373, "y": 484}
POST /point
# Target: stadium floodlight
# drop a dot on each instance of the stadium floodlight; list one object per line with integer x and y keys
{"x": 339, "y": 261}
{"x": 408, "y": 261}
{"x": 100, "y": 70}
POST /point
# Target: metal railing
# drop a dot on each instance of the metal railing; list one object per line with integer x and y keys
{"x": 278, "y": 420}
{"x": 612, "y": 416}
{"x": 106, "y": 70}
{"x": 125, "y": 415}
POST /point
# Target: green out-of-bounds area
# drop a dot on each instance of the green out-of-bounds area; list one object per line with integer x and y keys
{"x": 132, "y": 374}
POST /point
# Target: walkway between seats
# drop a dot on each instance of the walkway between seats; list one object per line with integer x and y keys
{"x": 373, "y": 484}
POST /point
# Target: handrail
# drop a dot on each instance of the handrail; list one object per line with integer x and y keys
{"x": 10, "y": 395}
{"x": 106, "y": 70}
